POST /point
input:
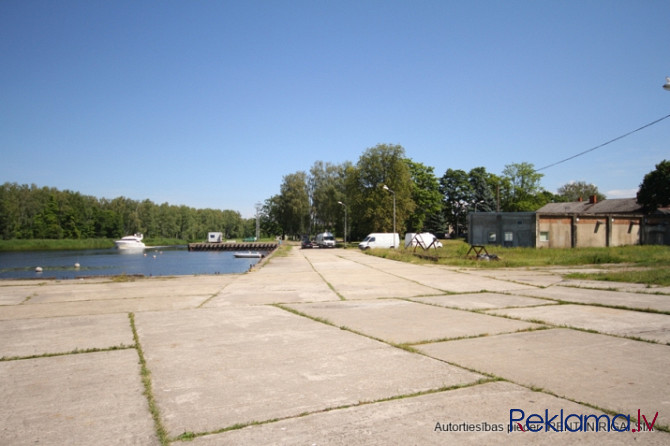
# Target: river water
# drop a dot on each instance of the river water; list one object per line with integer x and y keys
{"x": 153, "y": 261}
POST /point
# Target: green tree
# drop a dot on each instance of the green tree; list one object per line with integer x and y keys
{"x": 482, "y": 193}
{"x": 371, "y": 206}
{"x": 578, "y": 189}
{"x": 269, "y": 218}
{"x": 326, "y": 189}
{"x": 655, "y": 188}
{"x": 457, "y": 194}
{"x": 425, "y": 194}
{"x": 294, "y": 204}
{"x": 521, "y": 192}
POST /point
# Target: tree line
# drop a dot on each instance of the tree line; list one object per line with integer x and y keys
{"x": 315, "y": 201}
{"x": 312, "y": 202}
{"x": 32, "y": 212}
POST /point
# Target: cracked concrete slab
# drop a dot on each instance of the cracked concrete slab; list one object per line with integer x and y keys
{"x": 354, "y": 280}
{"x": 84, "y": 399}
{"x": 649, "y": 326}
{"x": 616, "y": 286}
{"x": 214, "y": 368}
{"x": 65, "y": 334}
{"x": 616, "y": 374}
{"x": 536, "y": 278}
{"x": 283, "y": 279}
{"x": 639, "y": 301}
{"x": 108, "y": 306}
{"x": 258, "y": 289}
{"x": 482, "y": 301}
{"x": 402, "y": 322}
{"x": 436, "y": 277}
{"x": 473, "y": 415}
{"x": 75, "y": 290}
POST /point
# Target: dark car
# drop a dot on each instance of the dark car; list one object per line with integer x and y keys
{"x": 306, "y": 243}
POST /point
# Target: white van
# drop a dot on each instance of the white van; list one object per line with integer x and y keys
{"x": 423, "y": 239}
{"x": 325, "y": 240}
{"x": 380, "y": 240}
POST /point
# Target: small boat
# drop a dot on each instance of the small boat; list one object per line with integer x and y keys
{"x": 248, "y": 255}
{"x": 130, "y": 242}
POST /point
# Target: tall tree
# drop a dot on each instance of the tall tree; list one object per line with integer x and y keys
{"x": 425, "y": 194}
{"x": 655, "y": 188}
{"x": 326, "y": 188}
{"x": 371, "y": 206}
{"x": 482, "y": 194}
{"x": 294, "y": 204}
{"x": 457, "y": 194}
{"x": 521, "y": 190}
{"x": 575, "y": 190}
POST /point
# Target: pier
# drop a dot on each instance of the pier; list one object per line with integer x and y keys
{"x": 227, "y": 246}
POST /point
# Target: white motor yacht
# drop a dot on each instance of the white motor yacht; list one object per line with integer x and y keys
{"x": 130, "y": 242}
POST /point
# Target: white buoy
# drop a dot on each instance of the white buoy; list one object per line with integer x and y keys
{"x": 38, "y": 269}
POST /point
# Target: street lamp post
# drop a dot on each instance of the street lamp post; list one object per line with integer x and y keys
{"x": 387, "y": 188}
{"x": 345, "y": 223}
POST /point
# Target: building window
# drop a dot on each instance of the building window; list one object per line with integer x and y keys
{"x": 544, "y": 236}
{"x": 509, "y": 236}
{"x": 492, "y": 237}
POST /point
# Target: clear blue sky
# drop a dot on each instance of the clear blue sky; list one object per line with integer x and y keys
{"x": 211, "y": 103}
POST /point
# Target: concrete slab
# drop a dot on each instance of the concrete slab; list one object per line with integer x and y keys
{"x": 79, "y": 308}
{"x": 289, "y": 278}
{"x": 257, "y": 289}
{"x": 73, "y": 291}
{"x": 354, "y": 280}
{"x": 649, "y": 326}
{"x": 438, "y": 277}
{"x": 482, "y": 301}
{"x": 84, "y": 399}
{"x": 16, "y": 294}
{"x": 639, "y": 301}
{"x": 473, "y": 415}
{"x": 403, "y": 322}
{"x": 217, "y": 367}
{"x": 616, "y": 374}
{"x": 22, "y": 338}
{"x": 616, "y": 286}
{"x": 518, "y": 275}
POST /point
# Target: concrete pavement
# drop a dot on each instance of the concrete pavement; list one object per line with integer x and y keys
{"x": 334, "y": 347}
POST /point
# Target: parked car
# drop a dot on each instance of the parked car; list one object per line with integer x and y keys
{"x": 306, "y": 243}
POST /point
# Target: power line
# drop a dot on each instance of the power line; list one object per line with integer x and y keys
{"x": 603, "y": 144}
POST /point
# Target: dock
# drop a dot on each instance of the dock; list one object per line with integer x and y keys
{"x": 225, "y": 246}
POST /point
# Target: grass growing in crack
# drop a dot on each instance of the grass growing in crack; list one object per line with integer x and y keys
{"x": 324, "y": 279}
{"x": 146, "y": 382}
{"x": 300, "y": 313}
{"x": 188, "y": 436}
{"x": 76, "y": 351}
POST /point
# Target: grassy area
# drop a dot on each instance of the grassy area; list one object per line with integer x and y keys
{"x": 649, "y": 264}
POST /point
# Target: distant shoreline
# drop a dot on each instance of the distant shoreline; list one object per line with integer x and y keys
{"x": 21, "y": 245}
